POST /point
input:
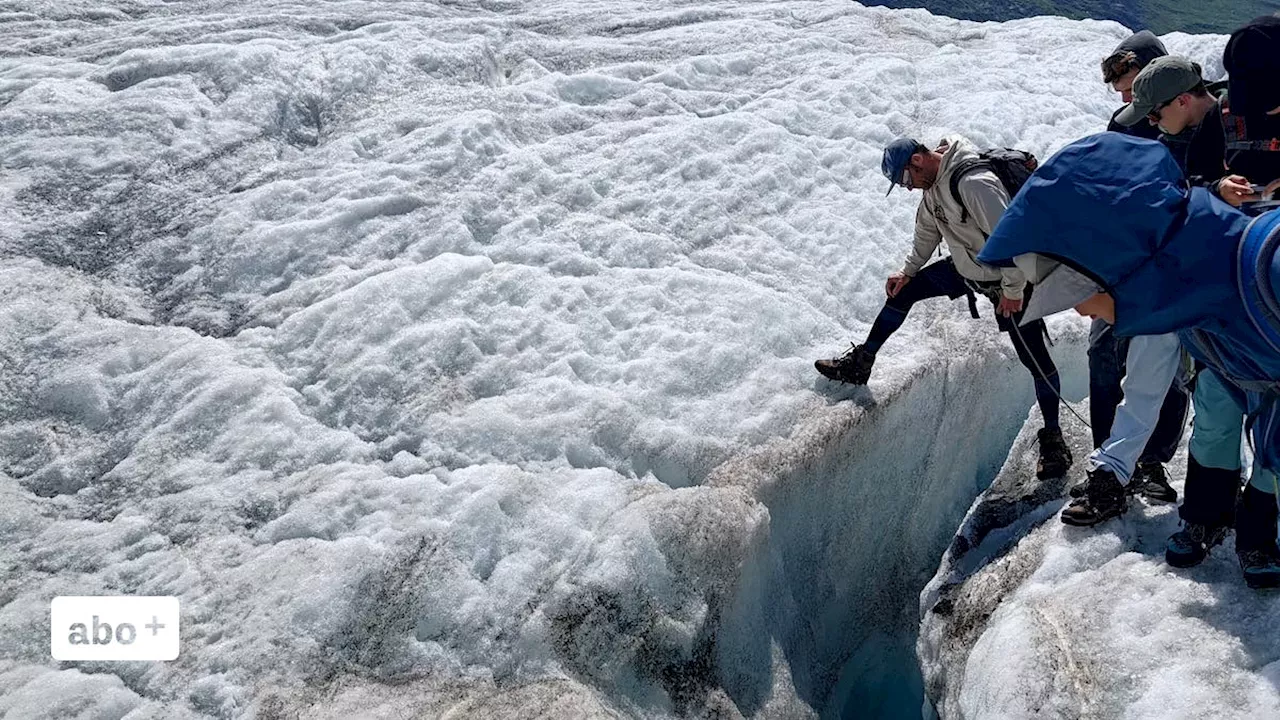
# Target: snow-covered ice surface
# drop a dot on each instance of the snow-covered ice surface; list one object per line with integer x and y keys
{"x": 454, "y": 358}
{"x": 1028, "y": 617}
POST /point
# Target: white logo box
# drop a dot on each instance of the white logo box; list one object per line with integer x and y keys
{"x": 120, "y": 627}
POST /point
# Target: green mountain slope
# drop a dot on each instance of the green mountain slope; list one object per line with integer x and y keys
{"x": 1159, "y": 16}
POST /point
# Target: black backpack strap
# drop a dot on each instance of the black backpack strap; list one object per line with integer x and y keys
{"x": 962, "y": 168}
{"x": 1236, "y": 133}
{"x": 971, "y": 290}
{"x": 1199, "y": 340}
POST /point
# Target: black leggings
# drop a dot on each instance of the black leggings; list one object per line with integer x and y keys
{"x": 942, "y": 279}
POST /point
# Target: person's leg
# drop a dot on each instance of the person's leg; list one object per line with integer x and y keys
{"x": 1256, "y": 518}
{"x": 1213, "y": 465}
{"x": 1106, "y": 368}
{"x": 1256, "y": 515}
{"x": 854, "y": 366}
{"x": 1264, "y": 480}
{"x": 1213, "y": 470}
{"x": 1149, "y": 477}
{"x": 891, "y": 317}
{"x": 1219, "y": 419}
{"x": 935, "y": 280}
{"x": 1168, "y": 432}
{"x": 1028, "y": 342}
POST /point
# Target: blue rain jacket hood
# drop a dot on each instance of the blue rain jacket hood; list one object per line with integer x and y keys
{"x": 1118, "y": 209}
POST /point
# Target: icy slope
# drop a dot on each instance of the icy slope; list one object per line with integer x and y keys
{"x": 1026, "y": 620}
{"x": 442, "y": 356}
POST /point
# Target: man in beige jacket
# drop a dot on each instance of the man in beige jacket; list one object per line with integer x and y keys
{"x": 964, "y": 223}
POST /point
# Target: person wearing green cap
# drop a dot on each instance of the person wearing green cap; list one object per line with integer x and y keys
{"x": 1172, "y": 94}
{"x": 1162, "y": 82}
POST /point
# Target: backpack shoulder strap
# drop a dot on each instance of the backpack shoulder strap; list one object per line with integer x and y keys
{"x": 1237, "y": 134}
{"x": 962, "y": 168}
{"x": 1199, "y": 342}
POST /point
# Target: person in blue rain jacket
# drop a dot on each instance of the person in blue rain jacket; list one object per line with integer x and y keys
{"x": 1161, "y": 257}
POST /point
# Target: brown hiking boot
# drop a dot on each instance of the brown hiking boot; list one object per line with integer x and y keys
{"x": 854, "y": 366}
{"x": 1104, "y": 499}
{"x": 1055, "y": 457}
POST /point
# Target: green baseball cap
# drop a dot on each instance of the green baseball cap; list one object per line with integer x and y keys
{"x": 1162, "y": 80}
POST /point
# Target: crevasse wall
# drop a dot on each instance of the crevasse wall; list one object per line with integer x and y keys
{"x": 856, "y": 530}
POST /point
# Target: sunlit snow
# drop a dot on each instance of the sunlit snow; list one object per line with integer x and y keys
{"x": 1063, "y": 622}
{"x": 456, "y": 357}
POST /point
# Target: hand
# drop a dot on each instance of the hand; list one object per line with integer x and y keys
{"x": 895, "y": 283}
{"x": 1235, "y": 189}
{"x": 1008, "y": 306}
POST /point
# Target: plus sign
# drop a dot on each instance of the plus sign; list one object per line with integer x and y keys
{"x": 154, "y": 626}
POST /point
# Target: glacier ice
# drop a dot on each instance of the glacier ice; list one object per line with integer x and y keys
{"x": 455, "y": 358}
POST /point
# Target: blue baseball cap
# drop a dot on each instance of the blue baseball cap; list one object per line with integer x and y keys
{"x": 896, "y": 157}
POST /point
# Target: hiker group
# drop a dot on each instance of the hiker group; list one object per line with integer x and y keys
{"x": 1164, "y": 230}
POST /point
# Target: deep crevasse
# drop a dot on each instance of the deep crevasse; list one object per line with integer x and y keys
{"x": 439, "y": 356}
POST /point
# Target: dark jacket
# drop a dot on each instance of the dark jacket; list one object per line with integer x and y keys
{"x": 1258, "y": 165}
{"x": 1201, "y": 150}
{"x": 1204, "y": 155}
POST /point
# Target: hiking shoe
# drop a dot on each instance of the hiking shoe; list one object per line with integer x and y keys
{"x": 1055, "y": 457}
{"x": 854, "y": 366}
{"x": 1079, "y": 489}
{"x": 1082, "y": 488}
{"x": 1190, "y": 546}
{"x": 1104, "y": 499}
{"x": 1151, "y": 482}
{"x": 1261, "y": 568}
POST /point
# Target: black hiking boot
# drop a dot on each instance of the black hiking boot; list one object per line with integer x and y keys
{"x": 1079, "y": 489}
{"x": 854, "y": 366}
{"x": 1256, "y": 538}
{"x": 1104, "y": 499}
{"x": 1190, "y": 546}
{"x": 1261, "y": 569}
{"x": 1055, "y": 458}
{"x": 1151, "y": 482}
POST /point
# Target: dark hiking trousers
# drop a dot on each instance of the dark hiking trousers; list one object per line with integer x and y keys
{"x": 1106, "y": 369}
{"x": 941, "y": 279}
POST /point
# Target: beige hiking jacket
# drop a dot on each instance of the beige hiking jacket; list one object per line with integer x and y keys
{"x": 938, "y": 219}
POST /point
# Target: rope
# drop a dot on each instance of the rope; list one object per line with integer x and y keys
{"x": 1044, "y": 377}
